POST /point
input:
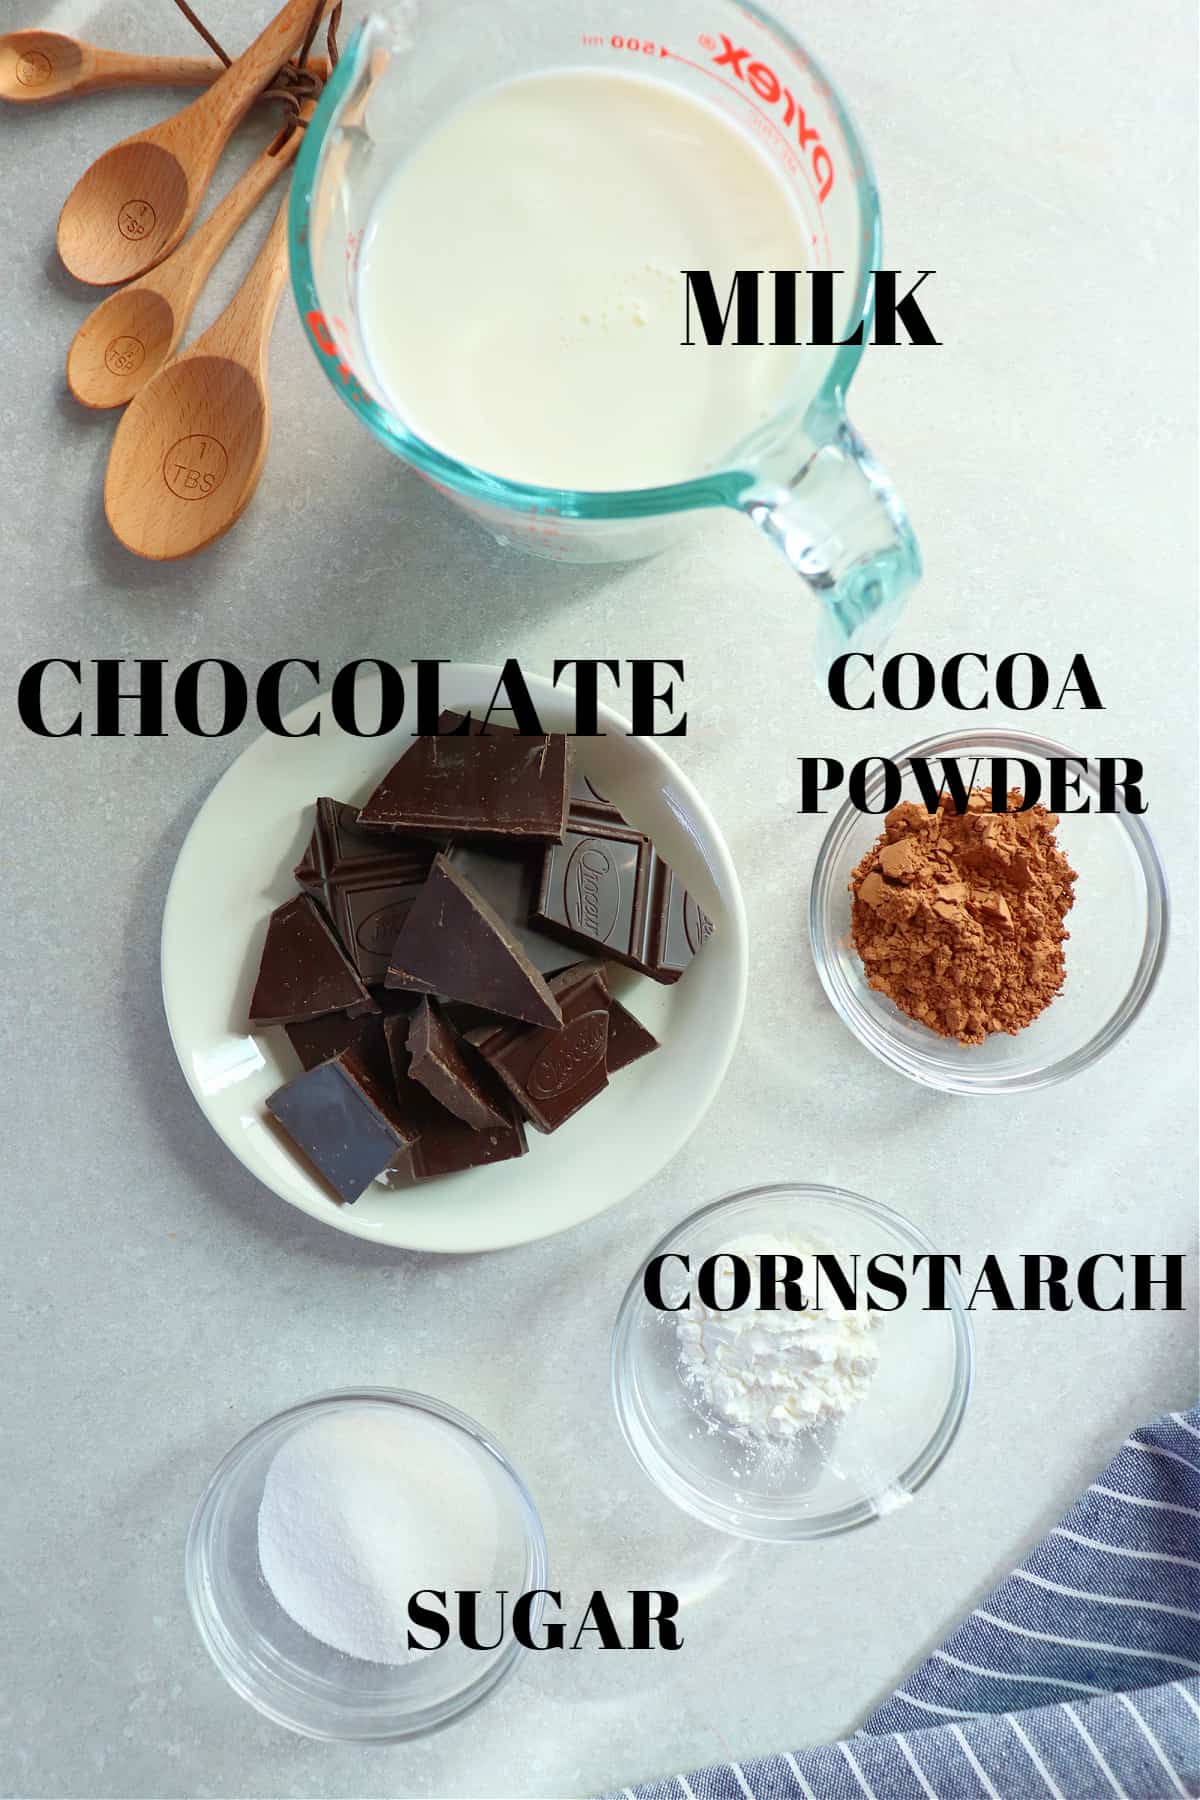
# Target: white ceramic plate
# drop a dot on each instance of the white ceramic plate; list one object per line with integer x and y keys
{"x": 235, "y": 868}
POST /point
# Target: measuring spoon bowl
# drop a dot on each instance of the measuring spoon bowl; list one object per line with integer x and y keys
{"x": 187, "y": 458}
{"x": 127, "y": 212}
{"x": 126, "y": 340}
{"x": 121, "y": 345}
{"x": 191, "y": 445}
{"x": 38, "y": 65}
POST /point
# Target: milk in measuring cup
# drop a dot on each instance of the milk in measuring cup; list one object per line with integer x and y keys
{"x": 520, "y": 293}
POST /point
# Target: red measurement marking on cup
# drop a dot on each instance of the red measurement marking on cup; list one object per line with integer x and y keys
{"x": 806, "y": 155}
{"x": 321, "y": 335}
{"x": 641, "y": 46}
{"x": 792, "y": 111}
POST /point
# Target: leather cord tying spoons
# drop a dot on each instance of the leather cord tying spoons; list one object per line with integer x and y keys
{"x": 297, "y": 82}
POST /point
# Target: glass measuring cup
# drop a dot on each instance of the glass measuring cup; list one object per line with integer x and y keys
{"x": 804, "y": 477}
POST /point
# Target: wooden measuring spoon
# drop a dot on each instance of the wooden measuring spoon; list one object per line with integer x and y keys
{"x": 127, "y": 339}
{"x": 190, "y": 447}
{"x": 39, "y": 66}
{"x": 36, "y": 66}
{"x": 136, "y": 201}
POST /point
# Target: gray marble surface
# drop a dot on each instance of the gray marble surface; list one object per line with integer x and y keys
{"x": 157, "y": 1302}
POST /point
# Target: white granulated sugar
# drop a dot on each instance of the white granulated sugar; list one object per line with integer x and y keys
{"x": 361, "y": 1510}
{"x": 772, "y": 1375}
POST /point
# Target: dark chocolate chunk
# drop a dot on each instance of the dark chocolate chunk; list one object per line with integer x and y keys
{"x": 445, "y": 1145}
{"x": 369, "y": 909}
{"x": 345, "y": 1121}
{"x": 316, "y": 1040}
{"x": 461, "y": 1015}
{"x": 496, "y": 784}
{"x": 628, "y": 1039}
{"x": 365, "y": 884}
{"x": 606, "y": 889}
{"x": 336, "y": 844}
{"x": 440, "y": 1061}
{"x": 304, "y": 971}
{"x": 508, "y": 880}
{"x": 455, "y": 945}
{"x": 551, "y": 1074}
{"x": 588, "y": 804}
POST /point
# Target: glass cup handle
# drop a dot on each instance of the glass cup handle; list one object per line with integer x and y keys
{"x": 843, "y": 527}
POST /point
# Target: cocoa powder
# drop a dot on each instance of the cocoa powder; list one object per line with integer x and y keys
{"x": 958, "y": 918}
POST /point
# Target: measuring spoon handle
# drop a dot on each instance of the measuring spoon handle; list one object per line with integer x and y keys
{"x": 126, "y": 69}
{"x": 208, "y": 241}
{"x": 243, "y": 329}
{"x": 229, "y": 99}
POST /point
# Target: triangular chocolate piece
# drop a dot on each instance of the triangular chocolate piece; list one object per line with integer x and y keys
{"x": 477, "y": 784}
{"x": 628, "y": 1039}
{"x": 304, "y": 972}
{"x": 507, "y": 875}
{"x": 453, "y": 944}
{"x": 438, "y": 1059}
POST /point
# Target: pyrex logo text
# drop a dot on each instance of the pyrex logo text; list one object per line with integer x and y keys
{"x": 767, "y": 85}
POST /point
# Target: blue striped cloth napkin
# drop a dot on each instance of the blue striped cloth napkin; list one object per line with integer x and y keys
{"x": 1076, "y": 1679}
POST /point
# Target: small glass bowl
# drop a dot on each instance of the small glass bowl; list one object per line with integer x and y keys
{"x": 294, "y": 1678}
{"x": 1117, "y": 926}
{"x": 833, "y": 1478}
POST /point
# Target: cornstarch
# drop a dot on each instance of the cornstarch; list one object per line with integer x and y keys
{"x": 772, "y": 1375}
